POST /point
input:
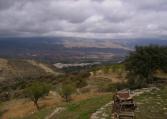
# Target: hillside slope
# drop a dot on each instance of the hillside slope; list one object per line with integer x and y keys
{"x": 16, "y": 74}
{"x": 10, "y": 69}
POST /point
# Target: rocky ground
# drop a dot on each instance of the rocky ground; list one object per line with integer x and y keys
{"x": 105, "y": 112}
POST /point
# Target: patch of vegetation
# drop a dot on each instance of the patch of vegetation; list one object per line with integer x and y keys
{"x": 152, "y": 105}
{"x": 66, "y": 91}
{"x": 74, "y": 110}
{"x": 143, "y": 63}
{"x": 83, "y": 109}
{"x": 78, "y": 79}
{"x": 118, "y": 68}
{"x": 17, "y": 74}
{"x": 1, "y": 111}
{"x": 110, "y": 87}
{"x": 110, "y": 68}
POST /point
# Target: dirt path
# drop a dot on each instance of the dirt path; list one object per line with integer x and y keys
{"x": 56, "y": 111}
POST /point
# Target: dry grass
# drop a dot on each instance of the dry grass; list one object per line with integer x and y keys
{"x": 87, "y": 96}
{"x": 101, "y": 80}
{"x": 3, "y": 62}
{"x": 112, "y": 77}
{"x": 22, "y": 107}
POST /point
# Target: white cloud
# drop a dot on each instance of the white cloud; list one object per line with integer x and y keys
{"x": 84, "y": 18}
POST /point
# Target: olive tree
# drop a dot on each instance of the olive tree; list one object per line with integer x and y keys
{"x": 36, "y": 91}
{"x": 67, "y": 90}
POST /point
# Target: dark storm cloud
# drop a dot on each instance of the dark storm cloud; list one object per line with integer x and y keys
{"x": 5, "y": 4}
{"x": 84, "y": 18}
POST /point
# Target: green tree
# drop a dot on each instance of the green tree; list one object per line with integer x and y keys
{"x": 67, "y": 90}
{"x": 37, "y": 90}
{"x": 144, "y": 61}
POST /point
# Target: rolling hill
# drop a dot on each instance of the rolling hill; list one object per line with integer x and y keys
{"x": 12, "y": 68}
{"x": 15, "y": 74}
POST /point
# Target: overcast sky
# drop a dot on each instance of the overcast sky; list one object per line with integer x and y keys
{"x": 84, "y": 18}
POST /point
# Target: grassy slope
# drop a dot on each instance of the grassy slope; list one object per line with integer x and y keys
{"x": 105, "y": 75}
{"x": 75, "y": 110}
{"x": 13, "y": 68}
{"x": 43, "y": 66}
{"x": 152, "y": 105}
{"x": 13, "y": 77}
{"x": 39, "y": 115}
{"x": 83, "y": 109}
{"x": 18, "y": 68}
{"x": 23, "y": 69}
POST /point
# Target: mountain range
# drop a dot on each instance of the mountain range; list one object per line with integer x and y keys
{"x": 55, "y": 49}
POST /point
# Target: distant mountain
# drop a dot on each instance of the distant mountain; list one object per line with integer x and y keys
{"x": 56, "y": 49}
{"x": 127, "y": 44}
{"x": 131, "y": 43}
{"x": 91, "y": 43}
